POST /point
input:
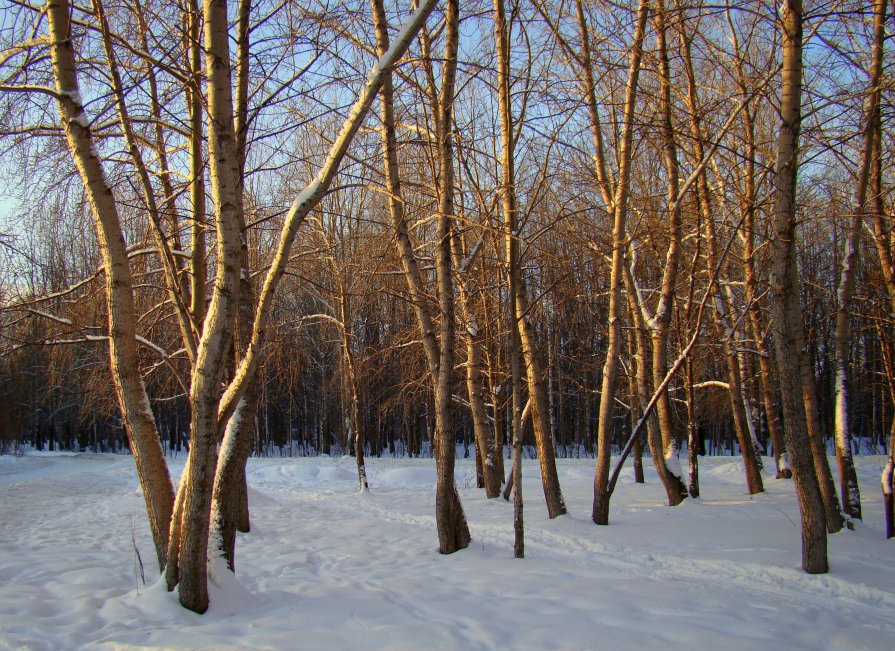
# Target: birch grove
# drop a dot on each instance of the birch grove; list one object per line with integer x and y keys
{"x": 508, "y": 229}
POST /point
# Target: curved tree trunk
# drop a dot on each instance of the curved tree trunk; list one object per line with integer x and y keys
{"x": 149, "y": 457}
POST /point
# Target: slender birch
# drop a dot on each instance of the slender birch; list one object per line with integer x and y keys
{"x": 735, "y": 379}
{"x": 600, "y": 513}
{"x": 520, "y": 305}
{"x": 453, "y": 531}
{"x": 848, "y": 478}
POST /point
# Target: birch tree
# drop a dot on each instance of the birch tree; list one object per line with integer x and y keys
{"x": 848, "y": 478}
{"x": 619, "y": 206}
{"x": 784, "y": 282}
{"x": 453, "y": 531}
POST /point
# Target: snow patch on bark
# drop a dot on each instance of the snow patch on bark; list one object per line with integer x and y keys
{"x": 783, "y": 462}
{"x": 886, "y": 478}
{"x": 143, "y": 406}
{"x": 81, "y": 120}
{"x": 228, "y": 448}
{"x": 673, "y": 463}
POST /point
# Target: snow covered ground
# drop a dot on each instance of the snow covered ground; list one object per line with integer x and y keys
{"x": 328, "y": 568}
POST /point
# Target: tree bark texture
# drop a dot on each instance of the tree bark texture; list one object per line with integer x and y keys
{"x": 673, "y": 479}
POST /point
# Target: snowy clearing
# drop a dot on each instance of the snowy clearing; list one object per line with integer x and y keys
{"x": 328, "y": 568}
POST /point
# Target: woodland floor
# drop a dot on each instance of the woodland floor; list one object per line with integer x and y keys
{"x": 328, "y": 568}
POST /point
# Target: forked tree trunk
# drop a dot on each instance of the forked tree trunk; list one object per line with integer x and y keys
{"x": 453, "y": 531}
{"x": 534, "y": 368}
{"x": 149, "y": 457}
{"x": 673, "y": 481}
{"x": 600, "y": 513}
{"x": 213, "y": 344}
{"x": 639, "y": 336}
{"x": 784, "y": 282}
{"x": 197, "y": 484}
{"x": 704, "y": 204}
{"x": 230, "y": 500}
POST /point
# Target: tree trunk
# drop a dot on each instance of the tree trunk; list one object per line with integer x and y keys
{"x": 753, "y": 308}
{"x": 484, "y": 440}
{"x": 354, "y": 419}
{"x": 534, "y": 369}
{"x": 784, "y": 283}
{"x": 198, "y": 267}
{"x": 197, "y": 483}
{"x": 692, "y": 436}
{"x": 848, "y": 478}
{"x": 704, "y": 203}
{"x": 600, "y": 514}
{"x": 636, "y": 403}
{"x": 673, "y": 479}
{"x": 887, "y": 480}
{"x": 149, "y": 457}
{"x": 832, "y": 512}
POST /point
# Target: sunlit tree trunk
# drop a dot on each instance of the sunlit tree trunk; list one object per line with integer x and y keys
{"x": 534, "y": 369}
{"x": 158, "y": 492}
{"x": 674, "y": 482}
{"x": 453, "y": 531}
{"x": 230, "y": 501}
{"x": 600, "y": 514}
{"x": 197, "y": 484}
{"x": 486, "y": 461}
{"x": 198, "y": 270}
